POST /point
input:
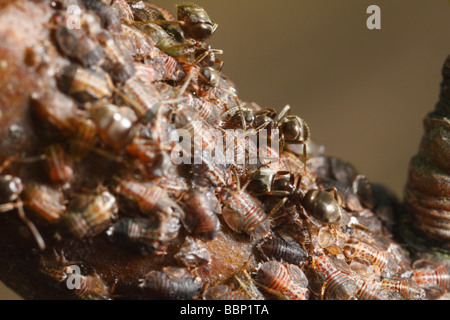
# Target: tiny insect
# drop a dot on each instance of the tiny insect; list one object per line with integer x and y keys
{"x": 85, "y": 84}
{"x": 175, "y": 46}
{"x": 108, "y": 16}
{"x": 201, "y": 210}
{"x": 171, "y": 283}
{"x": 286, "y": 282}
{"x": 407, "y": 288}
{"x": 46, "y": 201}
{"x": 115, "y": 125}
{"x": 90, "y": 214}
{"x": 55, "y": 111}
{"x": 143, "y": 98}
{"x": 148, "y": 196}
{"x": 432, "y": 275}
{"x": 195, "y": 22}
{"x": 143, "y": 234}
{"x": 92, "y": 288}
{"x": 355, "y": 248}
{"x": 84, "y": 138}
{"x": 215, "y": 173}
{"x": 75, "y": 43}
{"x": 165, "y": 67}
{"x": 371, "y": 290}
{"x": 121, "y": 7}
{"x": 117, "y": 62}
{"x": 321, "y": 207}
{"x": 206, "y": 109}
{"x": 282, "y": 250}
{"x": 202, "y": 134}
{"x": 292, "y": 128}
{"x": 243, "y": 213}
{"x": 153, "y": 14}
{"x": 336, "y": 284}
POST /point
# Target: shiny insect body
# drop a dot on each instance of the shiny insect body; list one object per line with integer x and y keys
{"x": 85, "y": 84}
{"x": 151, "y": 13}
{"x": 92, "y": 288}
{"x": 214, "y": 173}
{"x": 292, "y": 128}
{"x": 429, "y": 274}
{"x": 336, "y": 284}
{"x": 142, "y": 97}
{"x": 171, "y": 42}
{"x": 109, "y": 18}
{"x": 286, "y": 282}
{"x": 60, "y": 168}
{"x": 245, "y": 116}
{"x": 148, "y": 196}
{"x": 171, "y": 283}
{"x": 356, "y": 248}
{"x": 165, "y": 67}
{"x": 115, "y": 125}
{"x": 322, "y": 207}
{"x": 146, "y": 73}
{"x": 201, "y": 133}
{"x": 45, "y": 201}
{"x": 195, "y": 21}
{"x": 84, "y": 137}
{"x": 89, "y": 214}
{"x": 143, "y": 148}
{"x": 407, "y": 288}
{"x": 144, "y": 234}
{"x": 371, "y": 290}
{"x": 201, "y": 210}
{"x": 56, "y": 111}
{"x": 282, "y": 250}
{"x": 206, "y": 109}
{"x": 243, "y": 213}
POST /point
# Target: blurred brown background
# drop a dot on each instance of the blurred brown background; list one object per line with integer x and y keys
{"x": 363, "y": 92}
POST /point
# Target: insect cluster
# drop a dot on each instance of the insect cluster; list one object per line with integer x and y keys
{"x": 97, "y": 184}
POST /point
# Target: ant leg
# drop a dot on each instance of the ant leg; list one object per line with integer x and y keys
{"x": 8, "y": 162}
{"x": 238, "y": 182}
{"x": 153, "y": 22}
{"x": 30, "y": 225}
{"x": 304, "y": 159}
{"x": 282, "y": 113}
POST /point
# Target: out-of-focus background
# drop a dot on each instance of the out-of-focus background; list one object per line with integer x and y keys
{"x": 363, "y": 92}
